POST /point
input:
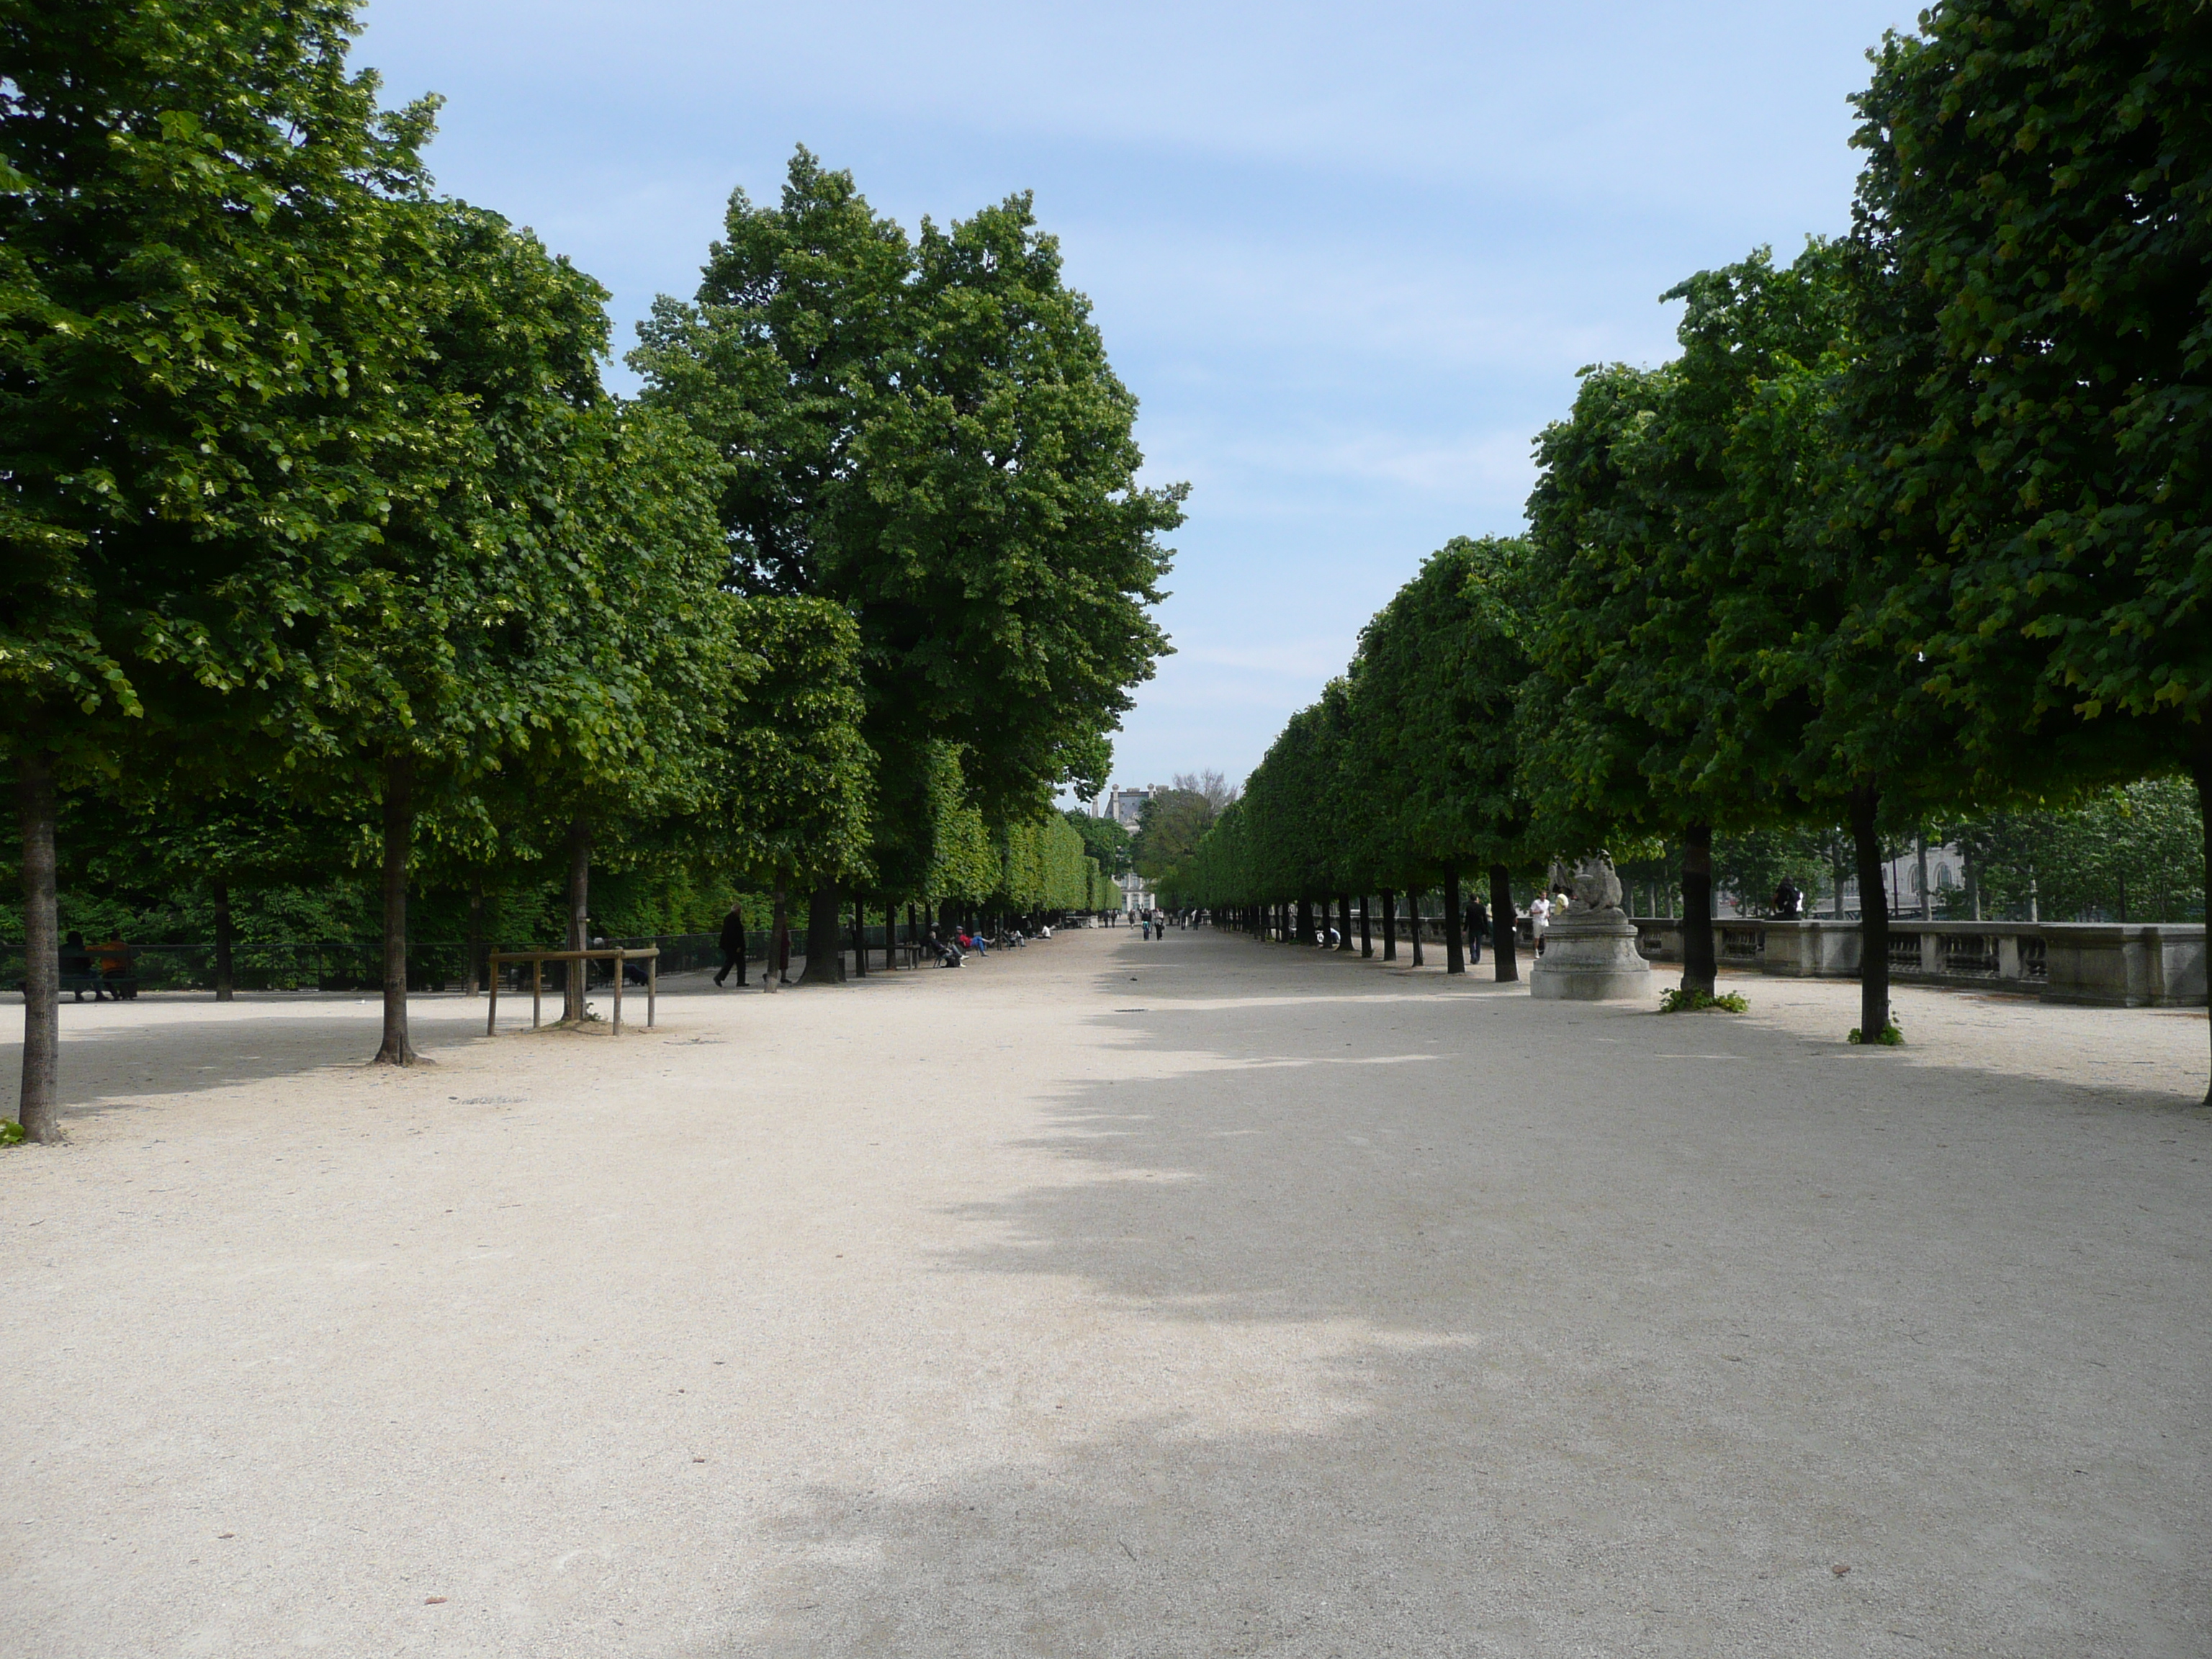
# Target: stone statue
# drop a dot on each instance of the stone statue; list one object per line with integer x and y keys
{"x": 1596, "y": 888}
{"x": 1589, "y": 954}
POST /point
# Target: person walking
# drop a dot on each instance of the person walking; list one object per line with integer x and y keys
{"x": 732, "y": 942}
{"x": 77, "y": 968}
{"x": 115, "y": 970}
{"x": 1477, "y": 924}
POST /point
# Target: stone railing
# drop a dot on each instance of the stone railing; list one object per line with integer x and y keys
{"x": 2115, "y": 964}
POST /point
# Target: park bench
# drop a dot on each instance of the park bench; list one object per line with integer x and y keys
{"x": 120, "y": 987}
{"x": 621, "y": 956}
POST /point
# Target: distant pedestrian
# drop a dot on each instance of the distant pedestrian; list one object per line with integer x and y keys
{"x": 1789, "y": 901}
{"x": 115, "y": 970}
{"x": 732, "y": 942}
{"x": 1477, "y": 924}
{"x": 1539, "y": 919}
{"x": 76, "y": 969}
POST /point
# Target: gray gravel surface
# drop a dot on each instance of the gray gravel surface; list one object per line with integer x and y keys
{"x": 1195, "y": 1298}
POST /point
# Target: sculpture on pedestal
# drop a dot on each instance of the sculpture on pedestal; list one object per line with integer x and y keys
{"x": 1590, "y": 953}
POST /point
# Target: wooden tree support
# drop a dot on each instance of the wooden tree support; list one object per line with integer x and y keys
{"x": 618, "y": 955}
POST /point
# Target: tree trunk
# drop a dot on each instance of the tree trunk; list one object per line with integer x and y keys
{"x": 772, "y": 969}
{"x": 221, "y": 891}
{"x": 580, "y": 917}
{"x": 1413, "y": 925}
{"x": 1873, "y": 917}
{"x": 1344, "y": 921}
{"x": 40, "y": 1111}
{"x": 891, "y": 936}
{"x": 473, "y": 982}
{"x": 1366, "y": 932}
{"x": 1455, "y": 951}
{"x": 398, "y": 843}
{"x": 1505, "y": 939}
{"x": 1389, "y": 925}
{"x": 825, "y": 963}
{"x": 2200, "y": 769}
{"x": 1306, "y": 921}
{"x": 1699, "y": 970}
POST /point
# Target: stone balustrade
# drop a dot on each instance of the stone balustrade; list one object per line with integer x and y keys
{"x": 2114, "y": 964}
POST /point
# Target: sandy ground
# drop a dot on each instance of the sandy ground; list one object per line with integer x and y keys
{"x": 1196, "y": 1297}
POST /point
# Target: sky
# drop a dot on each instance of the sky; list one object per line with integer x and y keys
{"x": 1349, "y": 259}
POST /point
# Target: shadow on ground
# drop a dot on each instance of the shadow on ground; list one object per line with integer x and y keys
{"x": 1556, "y": 1330}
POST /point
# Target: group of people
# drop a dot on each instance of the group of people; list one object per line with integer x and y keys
{"x": 103, "y": 969}
{"x": 947, "y": 952}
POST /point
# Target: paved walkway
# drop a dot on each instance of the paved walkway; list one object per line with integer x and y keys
{"x": 1195, "y": 1297}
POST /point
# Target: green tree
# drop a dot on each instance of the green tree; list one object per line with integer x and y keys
{"x": 1706, "y": 657}
{"x": 1106, "y": 838}
{"x": 928, "y": 434}
{"x": 629, "y": 655}
{"x": 199, "y": 317}
{"x": 2123, "y": 853}
{"x": 784, "y": 796}
{"x": 2034, "y": 218}
{"x": 1434, "y": 774}
{"x": 434, "y": 644}
{"x": 1168, "y": 827}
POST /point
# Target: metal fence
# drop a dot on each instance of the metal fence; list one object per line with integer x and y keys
{"x": 305, "y": 965}
{"x": 358, "y": 964}
{"x": 432, "y": 964}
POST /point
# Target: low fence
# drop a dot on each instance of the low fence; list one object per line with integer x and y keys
{"x": 432, "y": 964}
{"x": 2114, "y": 964}
{"x": 309, "y": 965}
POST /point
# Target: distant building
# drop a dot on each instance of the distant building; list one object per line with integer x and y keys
{"x": 1125, "y": 805}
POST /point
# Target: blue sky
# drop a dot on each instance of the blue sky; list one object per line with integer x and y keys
{"x": 1348, "y": 258}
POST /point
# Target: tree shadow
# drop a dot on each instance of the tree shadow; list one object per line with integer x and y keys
{"x": 1522, "y": 1328}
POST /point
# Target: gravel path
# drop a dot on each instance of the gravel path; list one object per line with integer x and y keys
{"x": 1195, "y": 1297}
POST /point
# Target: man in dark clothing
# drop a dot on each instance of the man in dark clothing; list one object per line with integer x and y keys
{"x": 732, "y": 941}
{"x": 76, "y": 969}
{"x": 1788, "y": 901}
{"x": 1477, "y": 924}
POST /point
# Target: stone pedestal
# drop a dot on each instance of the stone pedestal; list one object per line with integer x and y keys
{"x": 1590, "y": 957}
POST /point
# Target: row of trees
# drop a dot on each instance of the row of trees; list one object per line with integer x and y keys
{"x": 324, "y": 538}
{"x": 1914, "y": 524}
